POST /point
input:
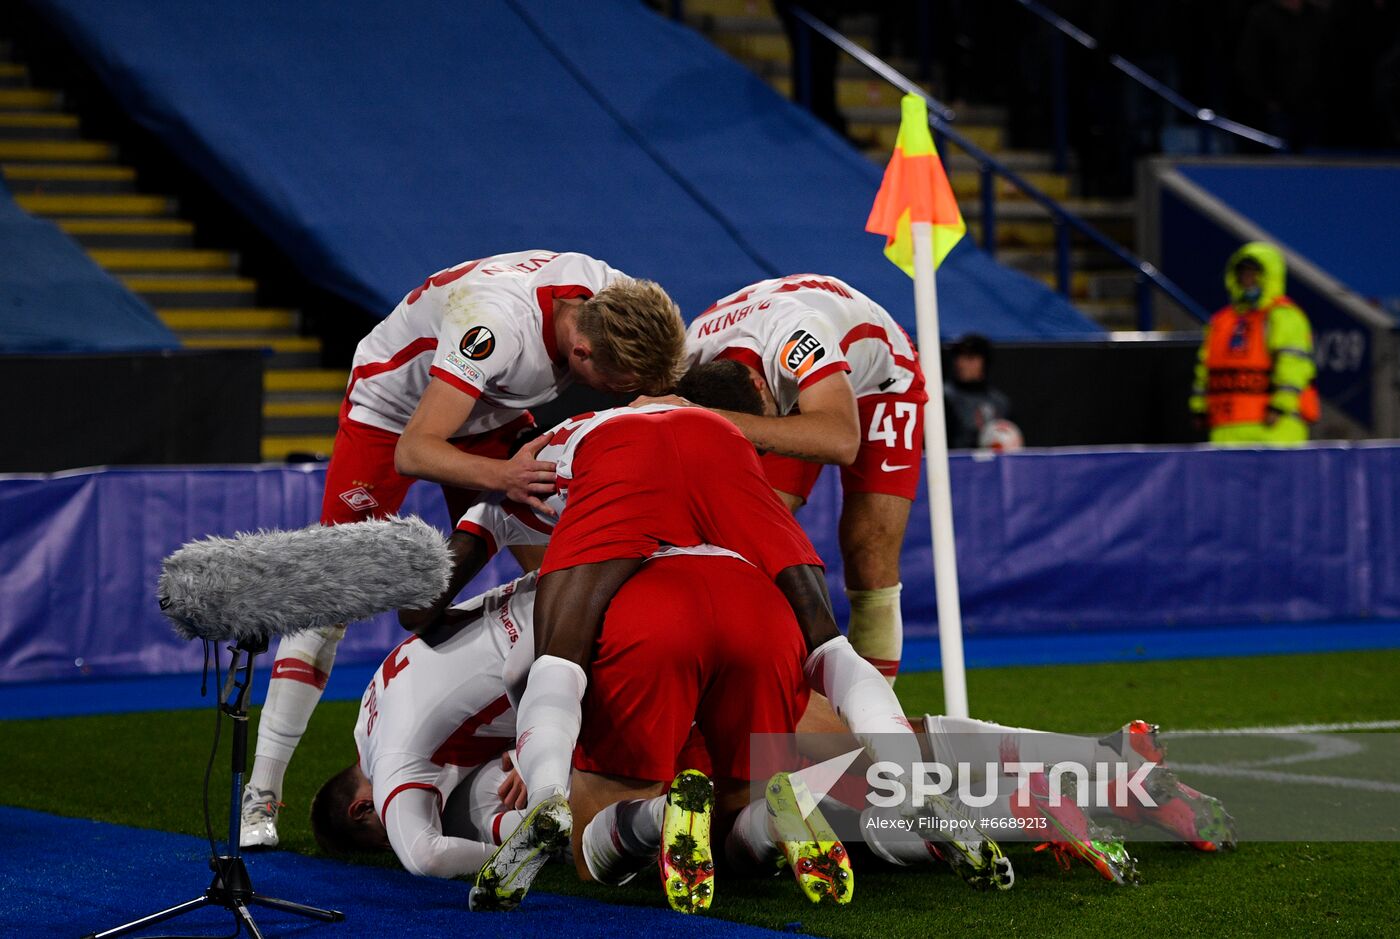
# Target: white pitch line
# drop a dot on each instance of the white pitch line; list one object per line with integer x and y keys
{"x": 1331, "y": 782}
{"x": 1285, "y": 729}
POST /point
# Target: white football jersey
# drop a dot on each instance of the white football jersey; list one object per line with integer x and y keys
{"x": 485, "y": 327}
{"x": 430, "y": 716}
{"x": 798, "y": 330}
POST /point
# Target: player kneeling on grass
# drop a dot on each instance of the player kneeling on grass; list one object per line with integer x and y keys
{"x": 649, "y": 478}
{"x": 433, "y": 780}
{"x": 727, "y": 661}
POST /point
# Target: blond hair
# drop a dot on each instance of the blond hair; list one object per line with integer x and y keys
{"x": 636, "y": 333}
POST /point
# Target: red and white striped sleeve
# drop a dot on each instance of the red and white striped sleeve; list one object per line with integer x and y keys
{"x": 412, "y": 816}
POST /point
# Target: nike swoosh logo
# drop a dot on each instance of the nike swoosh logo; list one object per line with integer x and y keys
{"x": 885, "y": 465}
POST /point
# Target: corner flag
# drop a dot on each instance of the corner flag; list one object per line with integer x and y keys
{"x": 915, "y": 189}
{"x": 918, "y": 215}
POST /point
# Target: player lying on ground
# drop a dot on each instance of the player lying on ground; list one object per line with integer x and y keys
{"x": 432, "y": 780}
{"x": 1026, "y": 804}
{"x": 843, "y": 385}
{"x": 656, "y": 476}
{"x": 1188, "y": 815}
{"x": 440, "y": 390}
{"x": 625, "y": 835}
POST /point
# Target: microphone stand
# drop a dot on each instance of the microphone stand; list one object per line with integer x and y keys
{"x": 231, "y": 889}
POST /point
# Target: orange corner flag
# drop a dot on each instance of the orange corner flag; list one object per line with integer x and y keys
{"x": 915, "y": 189}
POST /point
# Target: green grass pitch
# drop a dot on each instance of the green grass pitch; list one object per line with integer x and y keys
{"x": 146, "y": 770}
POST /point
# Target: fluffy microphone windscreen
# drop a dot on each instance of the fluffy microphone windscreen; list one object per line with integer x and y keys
{"x": 271, "y": 583}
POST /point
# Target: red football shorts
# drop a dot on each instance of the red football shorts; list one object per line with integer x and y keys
{"x": 683, "y": 477}
{"x": 361, "y": 481}
{"x": 695, "y": 755}
{"x": 890, "y": 456}
{"x": 708, "y": 640}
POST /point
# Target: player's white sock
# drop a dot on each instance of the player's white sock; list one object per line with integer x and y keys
{"x": 751, "y": 845}
{"x": 622, "y": 839}
{"x": 299, "y": 673}
{"x": 547, "y": 724}
{"x": 955, "y": 740}
{"x": 503, "y": 823}
{"x": 639, "y": 822}
{"x": 877, "y": 628}
{"x": 863, "y": 700}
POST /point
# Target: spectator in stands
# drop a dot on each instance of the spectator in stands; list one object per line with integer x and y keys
{"x": 969, "y": 402}
{"x": 1255, "y": 370}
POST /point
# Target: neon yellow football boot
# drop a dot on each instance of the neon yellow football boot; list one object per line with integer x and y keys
{"x": 687, "y": 866}
{"x": 817, "y": 857}
{"x": 506, "y": 877}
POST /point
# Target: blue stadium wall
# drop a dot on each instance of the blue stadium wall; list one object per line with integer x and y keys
{"x": 1060, "y": 541}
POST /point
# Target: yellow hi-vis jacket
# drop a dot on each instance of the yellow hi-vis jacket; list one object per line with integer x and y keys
{"x": 1256, "y": 356}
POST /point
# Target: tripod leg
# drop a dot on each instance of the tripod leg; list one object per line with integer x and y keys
{"x": 300, "y": 909}
{"x": 151, "y": 920}
{"x": 240, "y": 909}
{"x": 231, "y": 888}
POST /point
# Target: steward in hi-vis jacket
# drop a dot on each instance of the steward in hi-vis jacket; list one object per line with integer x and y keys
{"x": 1255, "y": 370}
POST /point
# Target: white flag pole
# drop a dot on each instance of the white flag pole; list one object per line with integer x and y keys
{"x": 940, "y": 499}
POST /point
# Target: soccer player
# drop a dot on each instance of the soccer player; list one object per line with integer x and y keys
{"x": 651, "y": 477}
{"x": 845, "y": 387}
{"x": 431, "y": 782}
{"x": 440, "y": 391}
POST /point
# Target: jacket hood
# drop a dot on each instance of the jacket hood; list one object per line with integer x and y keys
{"x": 1271, "y": 281}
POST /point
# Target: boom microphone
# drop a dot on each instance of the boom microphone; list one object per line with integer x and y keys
{"x": 272, "y": 583}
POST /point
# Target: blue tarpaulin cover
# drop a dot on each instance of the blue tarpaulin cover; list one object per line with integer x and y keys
{"x": 376, "y": 143}
{"x": 1048, "y": 541}
{"x": 53, "y": 298}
